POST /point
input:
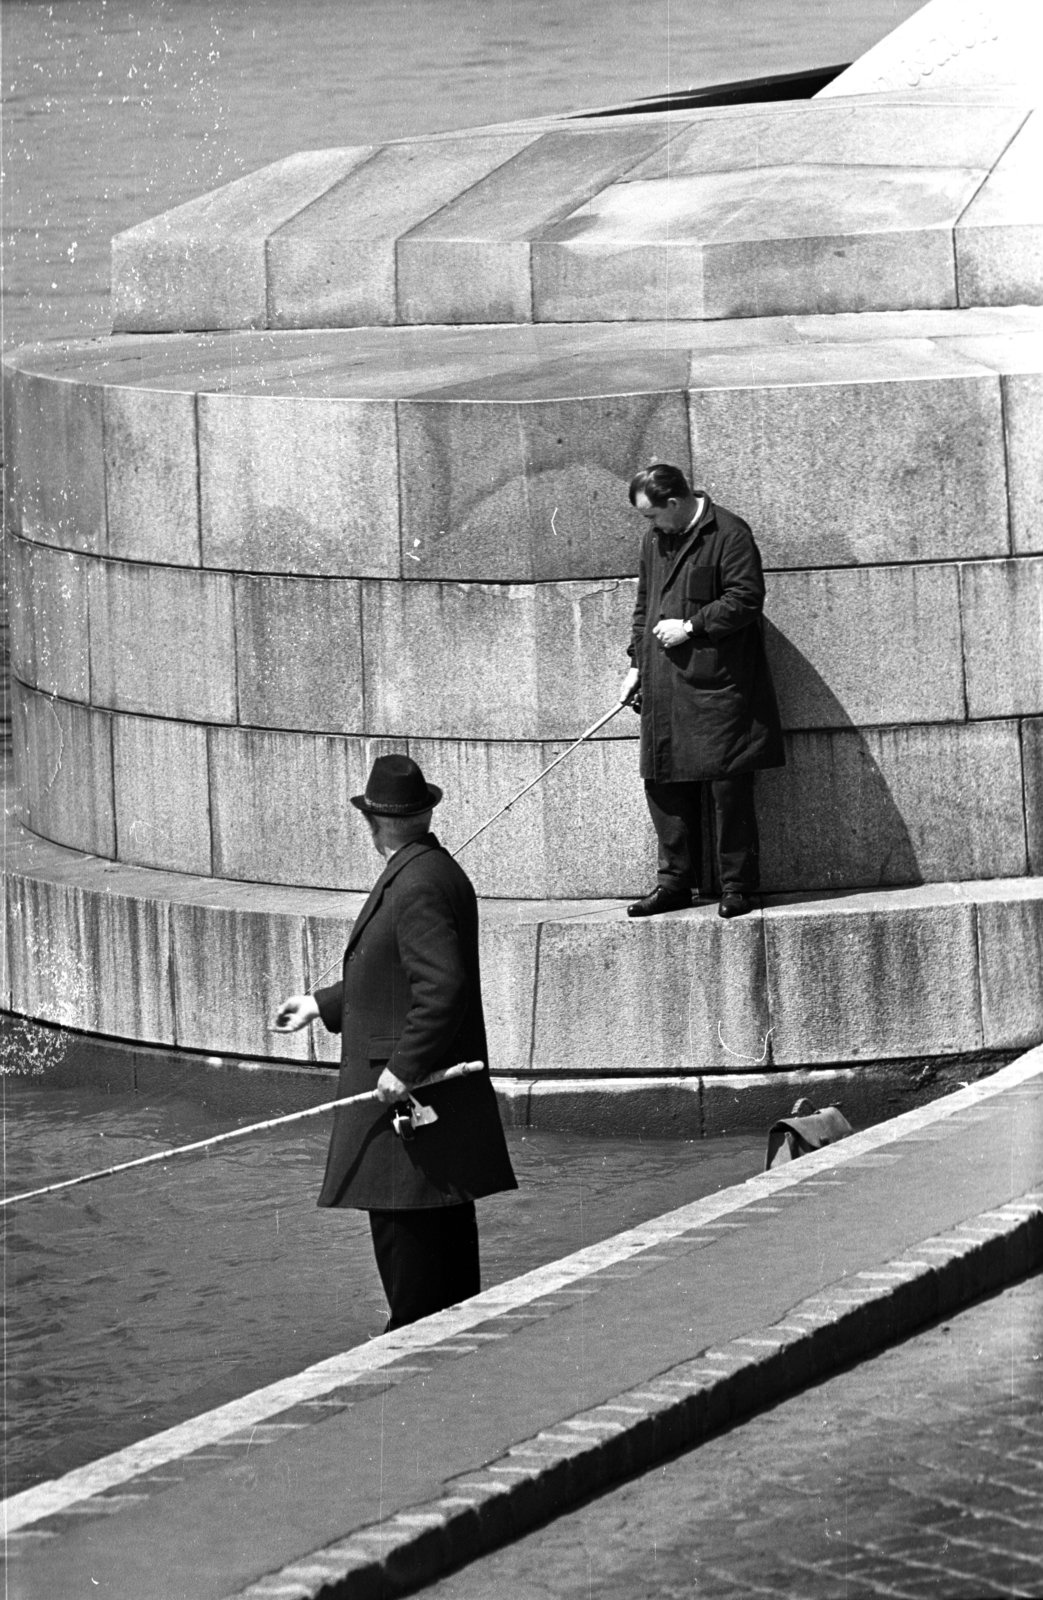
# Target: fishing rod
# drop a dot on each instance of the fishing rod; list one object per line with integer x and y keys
{"x": 421, "y": 1116}
{"x": 591, "y": 731}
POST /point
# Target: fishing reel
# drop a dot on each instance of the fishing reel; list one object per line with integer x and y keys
{"x": 406, "y": 1119}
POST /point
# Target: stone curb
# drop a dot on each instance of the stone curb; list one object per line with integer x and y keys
{"x": 545, "y": 1475}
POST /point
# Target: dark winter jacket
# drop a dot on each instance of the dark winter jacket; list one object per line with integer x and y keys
{"x": 708, "y": 707}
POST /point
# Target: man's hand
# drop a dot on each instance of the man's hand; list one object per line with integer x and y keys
{"x": 389, "y": 1088}
{"x": 670, "y": 633}
{"x": 294, "y": 1013}
{"x": 629, "y": 687}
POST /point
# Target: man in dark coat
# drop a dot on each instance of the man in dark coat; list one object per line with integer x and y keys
{"x": 701, "y": 681}
{"x": 409, "y": 1004}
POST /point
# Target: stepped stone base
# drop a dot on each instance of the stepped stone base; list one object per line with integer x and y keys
{"x": 935, "y": 973}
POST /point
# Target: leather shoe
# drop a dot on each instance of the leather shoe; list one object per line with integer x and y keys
{"x": 734, "y": 904}
{"x": 650, "y": 905}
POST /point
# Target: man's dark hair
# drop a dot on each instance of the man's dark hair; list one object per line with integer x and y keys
{"x": 659, "y": 484}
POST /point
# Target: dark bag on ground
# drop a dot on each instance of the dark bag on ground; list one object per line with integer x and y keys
{"x": 803, "y": 1130}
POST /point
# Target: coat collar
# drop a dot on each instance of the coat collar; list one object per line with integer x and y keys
{"x": 698, "y": 528}
{"x": 400, "y": 859}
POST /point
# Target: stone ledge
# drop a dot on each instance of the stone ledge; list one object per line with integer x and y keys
{"x": 936, "y": 973}
{"x": 539, "y": 1477}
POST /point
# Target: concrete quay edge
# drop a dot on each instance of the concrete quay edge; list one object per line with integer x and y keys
{"x": 587, "y": 1452}
{"x": 985, "y": 1228}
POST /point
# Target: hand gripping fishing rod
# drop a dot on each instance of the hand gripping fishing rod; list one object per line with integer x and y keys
{"x": 421, "y": 1116}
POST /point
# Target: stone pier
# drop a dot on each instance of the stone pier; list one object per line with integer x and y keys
{"x": 350, "y": 477}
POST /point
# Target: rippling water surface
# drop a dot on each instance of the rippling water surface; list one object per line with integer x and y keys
{"x": 115, "y": 110}
{"x": 141, "y": 1300}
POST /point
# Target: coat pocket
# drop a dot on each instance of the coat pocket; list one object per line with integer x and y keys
{"x": 699, "y": 586}
{"x": 380, "y": 1050}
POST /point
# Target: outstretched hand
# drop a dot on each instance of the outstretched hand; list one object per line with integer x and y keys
{"x": 294, "y": 1013}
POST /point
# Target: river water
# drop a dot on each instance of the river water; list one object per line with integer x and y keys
{"x": 115, "y": 110}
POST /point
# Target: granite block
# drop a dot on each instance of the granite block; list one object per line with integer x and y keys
{"x": 529, "y": 491}
{"x": 281, "y": 811}
{"x": 161, "y": 641}
{"x": 560, "y": 840}
{"x": 325, "y": 938}
{"x": 815, "y": 133}
{"x": 299, "y": 485}
{"x": 152, "y": 475}
{"x": 879, "y": 806}
{"x": 1032, "y": 766}
{"x": 63, "y": 756}
{"x": 53, "y": 451}
{"x": 865, "y": 645}
{"x": 508, "y": 958}
{"x": 680, "y": 993}
{"x": 495, "y": 661}
{"x": 1002, "y": 606}
{"x": 774, "y": 241}
{"x": 848, "y": 474}
{"x": 47, "y": 611}
{"x": 1023, "y": 419}
{"x": 162, "y": 794}
{"x": 999, "y": 237}
{"x": 849, "y": 982}
{"x": 1010, "y": 945}
{"x": 232, "y": 968}
{"x": 202, "y": 265}
{"x": 333, "y": 265}
{"x": 298, "y": 648}
{"x": 470, "y": 262}
{"x": 64, "y": 935}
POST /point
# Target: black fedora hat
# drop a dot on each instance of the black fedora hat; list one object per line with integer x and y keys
{"x": 396, "y": 788}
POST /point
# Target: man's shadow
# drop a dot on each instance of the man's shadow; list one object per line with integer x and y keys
{"x": 828, "y": 819}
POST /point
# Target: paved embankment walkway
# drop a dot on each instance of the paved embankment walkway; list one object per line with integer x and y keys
{"x": 379, "y": 1468}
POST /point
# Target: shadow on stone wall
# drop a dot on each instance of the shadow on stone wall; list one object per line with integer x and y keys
{"x": 828, "y": 819}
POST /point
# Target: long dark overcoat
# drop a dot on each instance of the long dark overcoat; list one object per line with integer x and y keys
{"x": 410, "y": 999}
{"x": 708, "y": 707}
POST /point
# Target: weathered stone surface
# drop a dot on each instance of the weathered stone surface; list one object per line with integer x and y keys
{"x": 817, "y": 133}
{"x": 161, "y": 641}
{"x": 280, "y": 807}
{"x": 999, "y": 238}
{"x": 953, "y": 52}
{"x": 1010, "y": 945}
{"x": 508, "y": 958}
{"x": 1032, "y": 759}
{"x": 834, "y": 475}
{"x": 63, "y": 762}
{"x": 88, "y": 958}
{"x": 333, "y": 265}
{"x": 1023, "y": 416}
{"x": 865, "y": 645}
{"x": 774, "y": 241}
{"x": 506, "y": 661}
{"x": 1002, "y": 604}
{"x": 325, "y": 938}
{"x": 162, "y": 793}
{"x": 202, "y": 265}
{"x": 152, "y": 475}
{"x": 47, "y": 610}
{"x": 862, "y": 978}
{"x": 292, "y": 485}
{"x": 299, "y": 653}
{"x": 470, "y": 263}
{"x": 683, "y": 993}
{"x": 583, "y": 832}
{"x": 55, "y": 471}
{"x": 529, "y": 491}
{"x": 893, "y": 805}
{"x": 232, "y": 968}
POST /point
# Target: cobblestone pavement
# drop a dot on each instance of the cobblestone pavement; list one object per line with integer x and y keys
{"x": 917, "y": 1474}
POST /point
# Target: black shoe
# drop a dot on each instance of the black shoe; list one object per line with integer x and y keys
{"x": 660, "y": 900}
{"x": 734, "y": 904}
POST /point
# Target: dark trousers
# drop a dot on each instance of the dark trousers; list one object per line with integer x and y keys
{"x": 427, "y": 1259}
{"x": 677, "y": 816}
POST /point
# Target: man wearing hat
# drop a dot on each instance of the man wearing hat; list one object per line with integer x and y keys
{"x": 409, "y": 1004}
